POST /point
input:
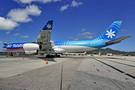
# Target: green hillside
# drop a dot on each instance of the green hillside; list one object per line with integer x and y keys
{"x": 108, "y": 50}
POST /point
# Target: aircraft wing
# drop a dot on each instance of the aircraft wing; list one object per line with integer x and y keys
{"x": 45, "y": 35}
{"x": 117, "y": 40}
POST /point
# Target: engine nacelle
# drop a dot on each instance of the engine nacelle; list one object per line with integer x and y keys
{"x": 31, "y": 47}
{"x": 31, "y": 52}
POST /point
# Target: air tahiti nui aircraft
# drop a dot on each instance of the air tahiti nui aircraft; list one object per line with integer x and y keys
{"x": 51, "y": 49}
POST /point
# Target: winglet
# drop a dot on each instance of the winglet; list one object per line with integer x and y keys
{"x": 48, "y": 26}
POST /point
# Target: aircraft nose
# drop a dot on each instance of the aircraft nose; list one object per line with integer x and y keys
{"x": 4, "y": 49}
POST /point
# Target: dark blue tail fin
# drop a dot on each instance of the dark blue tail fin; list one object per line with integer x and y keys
{"x": 49, "y": 25}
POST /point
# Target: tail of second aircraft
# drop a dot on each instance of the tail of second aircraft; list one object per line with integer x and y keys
{"x": 111, "y": 31}
{"x": 48, "y": 26}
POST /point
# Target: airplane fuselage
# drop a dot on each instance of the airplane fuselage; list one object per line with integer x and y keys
{"x": 80, "y": 46}
{"x": 62, "y": 46}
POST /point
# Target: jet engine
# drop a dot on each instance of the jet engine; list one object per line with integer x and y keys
{"x": 31, "y": 48}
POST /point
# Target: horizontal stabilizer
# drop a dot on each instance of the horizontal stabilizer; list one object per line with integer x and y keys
{"x": 117, "y": 40}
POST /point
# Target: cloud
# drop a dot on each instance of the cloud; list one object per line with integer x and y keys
{"x": 7, "y": 24}
{"x": 85, "y": 33}
{"x": 73, "y": 4}
{"x": 83, "y": 29}
{"x": 76, "y": 4}
{"x": 88, "y": 37}
{"x": 8, "y": 32}
{"x": 1, "y": 41}
{"x": 17, "y": 1}
{"x": 64, "y": 7}
{"x": 30, "y": 1}
{"x": 22, "y": 15}
{"x": 76, "y": 39}
{"x": 25, "y": 36}
{"x": 16, "y": 34}
{"x": 70, "y": 37}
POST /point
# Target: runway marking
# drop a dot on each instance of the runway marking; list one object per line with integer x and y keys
{"x": 65, "y": 70}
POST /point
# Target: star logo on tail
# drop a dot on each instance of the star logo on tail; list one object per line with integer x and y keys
{"x": 110, "y": 34}
{"x": 49, "y": 26}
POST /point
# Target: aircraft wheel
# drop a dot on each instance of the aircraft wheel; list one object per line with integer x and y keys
{"x": 47, "y": 56}
{"x": 51, "y": 56}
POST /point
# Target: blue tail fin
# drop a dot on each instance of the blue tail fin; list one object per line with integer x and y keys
{"x": 111, "y": 32}
{"x": 49, "y": 25}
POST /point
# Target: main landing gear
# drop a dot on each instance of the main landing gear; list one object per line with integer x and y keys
{"x": 52, "y": 56}
{"x": 11, "y": 54}
{"x": 49, "y": 56}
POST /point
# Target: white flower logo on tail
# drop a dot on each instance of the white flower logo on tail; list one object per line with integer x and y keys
{"x": 110, "y": 34}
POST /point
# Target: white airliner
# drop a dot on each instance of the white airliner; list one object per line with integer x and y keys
{"x": 44, "y": 45}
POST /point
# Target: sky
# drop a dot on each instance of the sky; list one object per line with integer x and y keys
{"x": 21, "y": 20}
